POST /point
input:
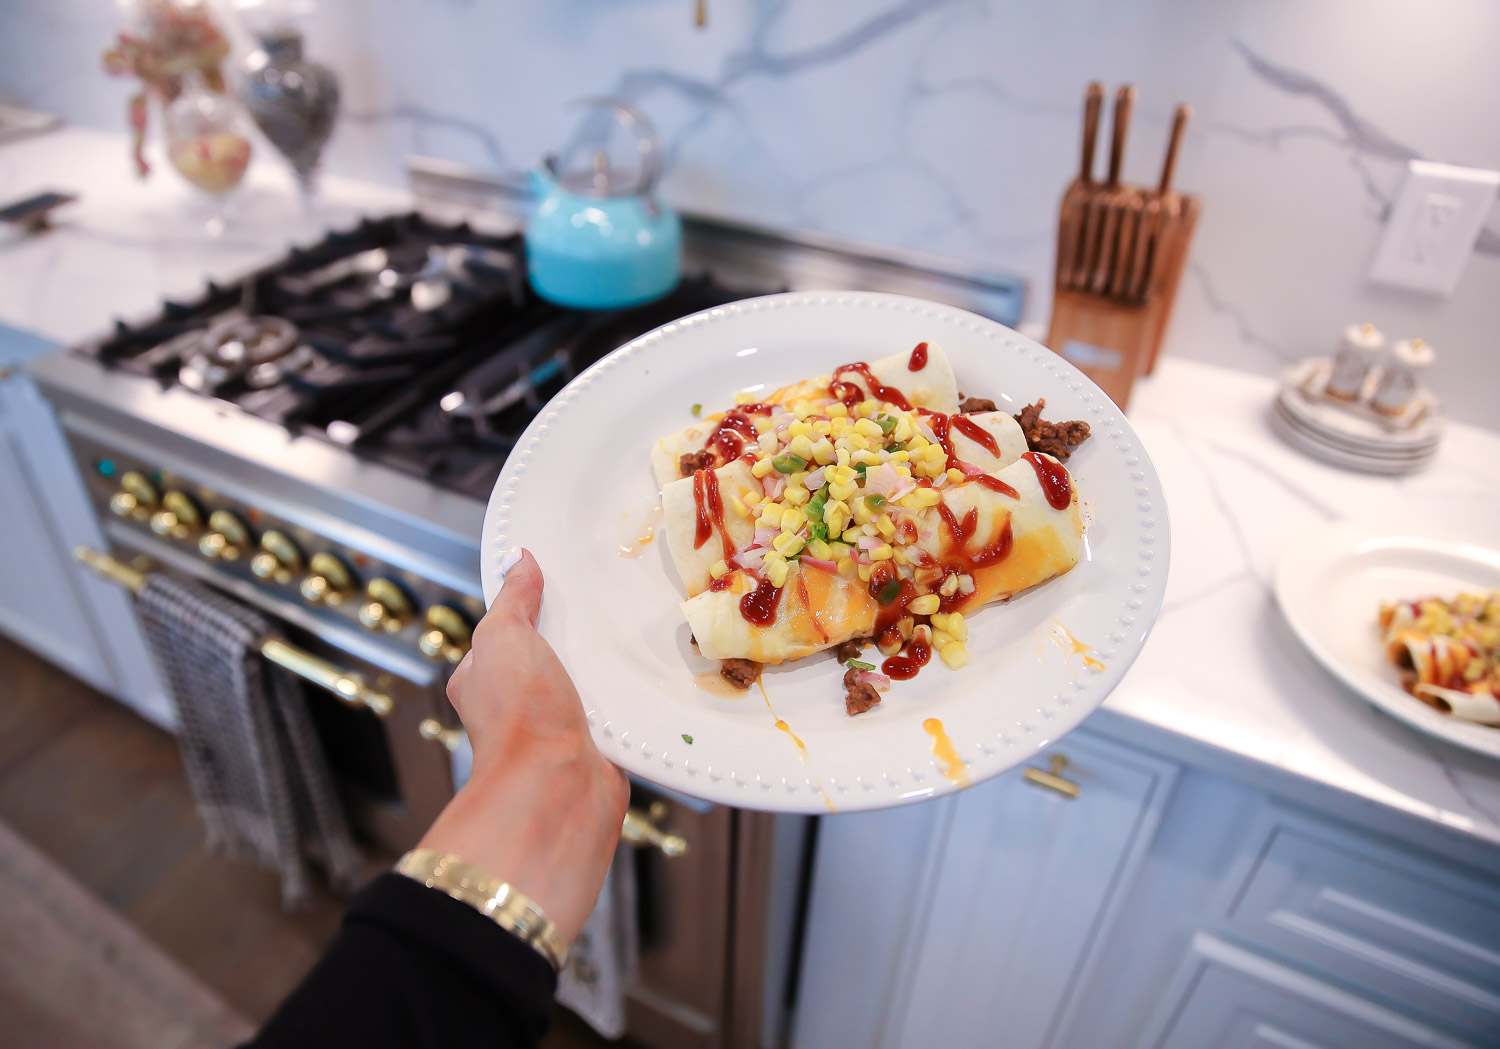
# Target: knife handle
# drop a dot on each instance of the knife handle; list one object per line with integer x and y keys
{"x": 1179, "y": 124}
{"x": 1124, "y": 103}
{"x": 1093, "y": 104}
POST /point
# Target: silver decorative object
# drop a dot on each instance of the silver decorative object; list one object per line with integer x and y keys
{"x": 293, "y": 100}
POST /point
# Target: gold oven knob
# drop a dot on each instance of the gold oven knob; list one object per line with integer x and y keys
{"x": 447, "y": 634}
{"x": 178, "y": 516}
{"x": 227, "y": 536}
{"x": 136, "y": 497}
{"x": 329, "y": 580}
{"x": 386, "y": 607}
{"x": 279, "y": 559}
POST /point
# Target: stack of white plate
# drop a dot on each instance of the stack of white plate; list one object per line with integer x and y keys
{"x": 1344, "y": 436}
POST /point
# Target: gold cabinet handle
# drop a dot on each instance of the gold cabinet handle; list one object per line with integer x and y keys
{"x": 434, "y": 730}
{"x": 349, "y": 688}
{"x": 640, "y": 829}
{"x": 1053, "y": 780}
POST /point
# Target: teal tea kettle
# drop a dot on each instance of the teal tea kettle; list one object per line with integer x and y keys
{"x": 600, "y": 241}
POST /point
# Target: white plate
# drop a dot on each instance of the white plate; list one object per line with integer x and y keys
{"x": 579, "y": 485}
{"x": 1337, "y": 457}
{"x": 1330, "y": 584}
{"x": 1354, "y": 447}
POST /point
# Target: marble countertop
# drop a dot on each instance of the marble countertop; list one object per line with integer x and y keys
{"x": 1223, "y": 684}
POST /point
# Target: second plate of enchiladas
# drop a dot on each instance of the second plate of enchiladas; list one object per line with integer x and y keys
{"x": 826, "y": 552}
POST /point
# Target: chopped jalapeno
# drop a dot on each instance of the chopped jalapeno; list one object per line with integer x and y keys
{"x": 857, "y": 665}
{"x": 697, "y": 409}
{"x": 687, "y": 739}
{"x": 818, "y": 530}
{"x": 860, "y": 468}
{"x": 819, "y": 500}
{"x": 889, "y": 592}
{"x": 886, "y": 424}
{"x": 788, "y": 464}
{"x": 899, "y": 446}
{"x": 874, "y": 502}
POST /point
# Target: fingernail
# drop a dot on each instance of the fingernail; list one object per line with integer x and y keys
{"x": 510, "y": 560}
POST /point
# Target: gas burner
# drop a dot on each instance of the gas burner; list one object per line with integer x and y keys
{"x": 255, "y": 349}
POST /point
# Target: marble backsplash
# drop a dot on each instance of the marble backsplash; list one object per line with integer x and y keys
{"x": 948, "y": 126}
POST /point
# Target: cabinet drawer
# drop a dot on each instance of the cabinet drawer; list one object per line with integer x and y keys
{"x": 1414, "y": 928}
{"x": 1230, "y": 998}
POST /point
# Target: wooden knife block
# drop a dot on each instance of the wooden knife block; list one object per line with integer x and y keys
{"x": 1113, "y": 342}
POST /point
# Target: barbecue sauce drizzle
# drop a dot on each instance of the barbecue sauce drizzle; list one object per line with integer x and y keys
{"x": 918, "y": 359}
{"x": 1053, "y": 477}
{"x": 976, "y": 433}
{"x": 759, "y": 605}
{"x": 879, "y": 390}
{"x": 736, "y": 430}
{"x": 710, "y": 509}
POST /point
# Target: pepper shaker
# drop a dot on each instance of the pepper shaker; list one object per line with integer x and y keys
{"x": 1358, "y": 354}
{"x": 1402, "y": 377}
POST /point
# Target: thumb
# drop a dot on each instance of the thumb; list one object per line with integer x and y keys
{"x": 521, "y": 594}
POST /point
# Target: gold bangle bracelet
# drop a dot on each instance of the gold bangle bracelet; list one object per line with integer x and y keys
{"x": 513, "y": 911}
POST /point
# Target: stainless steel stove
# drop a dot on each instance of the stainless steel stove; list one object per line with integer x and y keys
{"x": 319, "y": 439}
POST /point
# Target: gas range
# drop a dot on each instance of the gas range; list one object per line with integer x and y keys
{"x": 320, "y": 437}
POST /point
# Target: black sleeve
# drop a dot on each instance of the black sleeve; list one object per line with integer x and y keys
{"x": 415, "y": 968}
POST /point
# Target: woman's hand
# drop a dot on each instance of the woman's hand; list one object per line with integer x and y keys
{"x": 543, "y": 807}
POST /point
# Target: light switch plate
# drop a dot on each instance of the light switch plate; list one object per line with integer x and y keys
{"x": 1431, "y": 230}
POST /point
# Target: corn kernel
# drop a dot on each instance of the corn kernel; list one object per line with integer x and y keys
{"x": 940, "y": 620}
{"x": 889, "y": 649}
{"x": 762, "y": 423}
{"x": 738, "y": 506}
{"x": 901, "y": 457}
{"x": 863, "y": 515}
{"x": 719, "y": 568}
{"x": 848, "y": 569}
{"x": 770, "y": 516}
{"x": 868, "y": 529}
{"x": 822, "y": 427}
{"x": 858, "y": 443}
{"x": 795, "y": 494}
{"x": 841, "y": 491}
{"x": 883, "y": 522}
{"x": 836, "y": 515}
{"x": 864, "y": 573}
{"x": 955, "y": 655}
{"x": 791, "y": 519}
{"x": 917, "y": 443}
{"x": 762, "y": 467}
{"x": 900, "y": 557}
{"x": 843, "y": 454}
{"x": 793, "y": 548}
{"x": 837, "y": 410}
{"x": 821, "y": 550}
{"x": 869, "y": 427}
{"x": 868, "y": 457}
{"x": 883, "y": 552}
{"x": 955, "y": 475}
{"x": 751, "y": 498}
{"x": 867, "y": 409}
{"x": 928, "y": 496}
{"x": 941, "y": 638}
{"x": 851, "y": 535}
{"x": 903, "y": 431}
{"x": 801, "y": 447}
{"x": 802, "y": 409}
{"x": 744, "y": 397}
{"x": 799, "y": 429}
{"x": 824, "y": 452}
{"x": 925, "y": 605}
{"x": 777, "y": 573}
{"x": 958, "y": 627}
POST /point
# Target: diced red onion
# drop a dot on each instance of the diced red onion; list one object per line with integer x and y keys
{"x": 870, "y": 542}
{"x": 965, "y": 584}
{"x": 763, "y": 536}
{"x": 819, "y": 563}
{"x": 816, "y": 479}
{"x": 970, "y": 471}
{"x": 880, "y": 682}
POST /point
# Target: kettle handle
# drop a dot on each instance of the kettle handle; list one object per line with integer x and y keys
{"x": 647, "y": 141}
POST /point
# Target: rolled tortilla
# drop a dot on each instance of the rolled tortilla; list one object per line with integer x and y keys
{"x": 1478, "y": 706}
{"x": 819, "y": 610}
{"x": 932, "y": 387}
{"x": 1432, "y": 659}
{"x": 680, "y": 524}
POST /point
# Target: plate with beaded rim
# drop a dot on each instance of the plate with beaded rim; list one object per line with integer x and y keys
{"x": 578, "y": 491}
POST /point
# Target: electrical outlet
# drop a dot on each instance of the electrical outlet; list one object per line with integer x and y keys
{"x": 1432, "y": 228}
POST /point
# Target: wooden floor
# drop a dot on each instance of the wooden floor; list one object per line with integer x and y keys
{"x": 102, "y": 793}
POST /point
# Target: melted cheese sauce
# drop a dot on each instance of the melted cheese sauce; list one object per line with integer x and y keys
{"x": 1080, "y": 649}
{"x": 712, "y": 682}
{"x": 943, "y": 749}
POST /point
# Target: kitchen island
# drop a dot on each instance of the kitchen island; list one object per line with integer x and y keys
{"x": 1225, "y": 741}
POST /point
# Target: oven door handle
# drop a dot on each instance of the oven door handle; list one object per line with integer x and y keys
{"x": 349, "y": 688}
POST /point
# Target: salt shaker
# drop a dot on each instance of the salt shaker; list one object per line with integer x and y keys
{"x": 1402, "y": 377}
{"x": 1358, "y": 353}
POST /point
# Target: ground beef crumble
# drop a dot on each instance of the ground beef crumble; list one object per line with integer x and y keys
{"x": 847, "y": 650}
{"x": 970, "y": 405}
{"x": 689, "y": 463}
{"x": 860, "y": 698}
{"x": 1055, "y": 439}
{"x": 741, "y": 673}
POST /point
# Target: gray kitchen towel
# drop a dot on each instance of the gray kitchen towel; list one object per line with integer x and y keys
{"x": 602, "y": 961}
{"x": 253, "y": 758}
